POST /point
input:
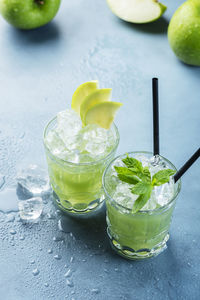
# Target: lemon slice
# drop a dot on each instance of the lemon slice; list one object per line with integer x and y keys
{"x": 81, "y": 92}
{"x": 102, "y": 114}
{"x": 137, "y": 11}
{"x": 98, "y": 96}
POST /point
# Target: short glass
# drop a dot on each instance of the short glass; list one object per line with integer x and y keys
{"x": 137, "y": 235}
{"x": 77, "y": 186}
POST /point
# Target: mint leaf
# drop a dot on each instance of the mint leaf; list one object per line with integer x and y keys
{"x": 123, "y": 170}
{"x": 141, "y": 201}
{"x": 132, "y": 179}
{"x": 126, "y": 175}
{"x": 162, "y": 177}
{"x": 146, "y": 175}
{"x": 141, "y": 188}
{"x": 131, "y": 162}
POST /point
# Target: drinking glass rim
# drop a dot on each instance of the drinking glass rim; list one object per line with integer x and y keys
{"x": 141, "y": 211}
{"x": 63, "y": 161}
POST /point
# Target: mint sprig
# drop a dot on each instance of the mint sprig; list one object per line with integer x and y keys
{"x": 134, "y": 173}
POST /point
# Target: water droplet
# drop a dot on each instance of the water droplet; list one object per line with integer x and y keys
{"x": 22, "y": 237}
{"x": 57, "y": 212}
{"x": 35, "y": 272}
{"x": 50, "y": 251}
{"x": 46, "y": 284}
{"x": 68, "y": 273}
{"x": 50, "y": 216}
{"x": 83, "y": 260}
{"x": 72, "y": 292}
{"x": 69, "y": 283}
{"x": 2, "y": 180}
{"x": 71, "y": 259}
{"x": 13, "y": 232}
{"x": 10, "y": 218}
{"x": 116, "y": 269}
{"x": 57, "y": 256}
{"x": 106, "y": 270}
{"x": 95, "y": 291}
{"x": 32, "y": 262}
{"x": 57, "y": 239}
{"x": 40, "y": 249}
{"x": 60, "y": 225}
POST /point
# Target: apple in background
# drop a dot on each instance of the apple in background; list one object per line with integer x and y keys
{"x": 134, "y": 11}
{"x": 29, "y": 14}
{"x": 184, "y": 32}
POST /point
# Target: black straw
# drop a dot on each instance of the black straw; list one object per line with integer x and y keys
{"x": 187, "y": 165}
{"x": 156, "y": 145}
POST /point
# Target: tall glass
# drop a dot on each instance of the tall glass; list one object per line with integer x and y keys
{"x": 137, "y": 235}
{"x": 77, "y": 186}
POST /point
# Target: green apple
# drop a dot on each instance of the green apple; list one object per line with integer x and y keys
{"x": 184, "y": 32}
{"x": 29, "y": 14}
{"x": 137, "y": 11}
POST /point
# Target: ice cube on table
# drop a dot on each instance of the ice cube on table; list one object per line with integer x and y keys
{"x": 30, "y": 209}
{"x": 34, "y": 180}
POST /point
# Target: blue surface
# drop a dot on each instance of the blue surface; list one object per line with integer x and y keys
{"x": 39, "y": 71}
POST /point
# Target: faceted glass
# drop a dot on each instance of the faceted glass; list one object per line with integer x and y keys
{"x": 77, "y": 186}
{"x": 142, "y": 234}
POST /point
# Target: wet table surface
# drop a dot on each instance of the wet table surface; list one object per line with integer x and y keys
{"x": 63, "y": 258}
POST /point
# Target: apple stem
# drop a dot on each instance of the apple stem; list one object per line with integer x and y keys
{"x": 41, "y": 2}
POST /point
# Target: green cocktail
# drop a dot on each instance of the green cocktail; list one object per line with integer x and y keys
{"x": 144, "y": 233}
{"x": 76, "y": 159}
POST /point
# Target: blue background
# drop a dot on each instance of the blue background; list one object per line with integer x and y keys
{"x": 39, "y": 71}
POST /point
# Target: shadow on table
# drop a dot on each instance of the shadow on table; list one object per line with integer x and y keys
{"x": 47, "y": 33}
{"x": 157, "y": 27}
{"x": 91, "y": 230}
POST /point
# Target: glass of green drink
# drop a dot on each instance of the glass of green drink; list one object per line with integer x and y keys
{"x": 144, "y": 233}
{"x": 77, "y": 157}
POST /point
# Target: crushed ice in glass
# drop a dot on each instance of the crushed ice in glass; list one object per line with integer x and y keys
{"x": 69, "y": 141}
{"x": 34, "y": 180}
{"x": 160, "y": 196}
{"x": 30, "y": 209}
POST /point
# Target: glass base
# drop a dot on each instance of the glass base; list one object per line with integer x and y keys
{"x": 79, "y": 209}
{"x": 130, "y": 253}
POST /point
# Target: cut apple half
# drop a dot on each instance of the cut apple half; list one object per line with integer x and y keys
{"x": 98, "y": 96}
{"x": 102, "y": 114}
{"x": 81, "y": 92}
{"x": 137, "y": 11}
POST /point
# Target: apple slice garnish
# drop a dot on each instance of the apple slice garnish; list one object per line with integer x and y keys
{"x": 102, "y": 114}
{"x": 81, "y": 92}
{"x": 100, "y": 95}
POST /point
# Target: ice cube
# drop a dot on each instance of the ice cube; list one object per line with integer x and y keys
{"x": 68, "y": 126}
{"x": 96, "y": 140}
{"x": 30, "y": 209}
{"x": 123, "y": 195}
{"x": 164, "y": 193}
{"x": 55, "y": 144}
{"x": 34, "y": 180}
